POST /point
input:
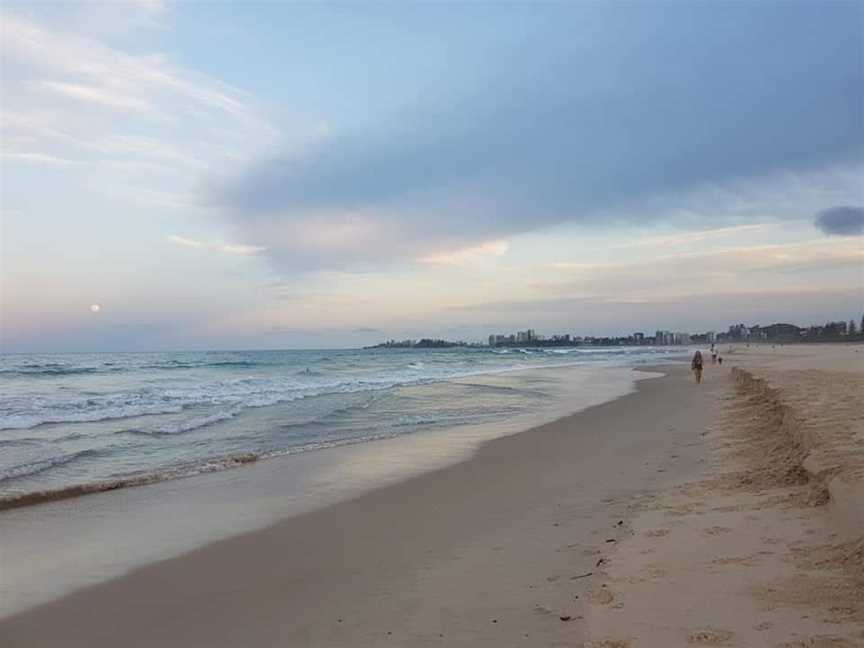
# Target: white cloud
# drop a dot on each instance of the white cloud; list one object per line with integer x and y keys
{"x": 690, "y": 238}
{"x": 469, "y": 255}
{"x": 155, "y": 6}
{"x": 217, "y": 246}
{"x": 747, "y": 268}
{"x": 102, "y": 96}
{"x": 70, "y": 96}
{"x": 36, "y": 158}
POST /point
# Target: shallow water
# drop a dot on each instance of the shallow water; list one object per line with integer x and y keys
{"x": 80, "y": 423}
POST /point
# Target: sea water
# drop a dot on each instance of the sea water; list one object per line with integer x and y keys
{"x": 218, "y": 444}
{"x": 79, "y": 423}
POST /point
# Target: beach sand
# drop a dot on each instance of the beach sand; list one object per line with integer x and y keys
{"x": 723, "y": 514}
{"x": 492, "y": 551}
{"x": 766, "y": 548}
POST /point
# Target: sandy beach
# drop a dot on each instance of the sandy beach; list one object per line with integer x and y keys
{"x": 491, "y": 551}
{"x": 766, "y": 547}
{"x": 725, "y": 514}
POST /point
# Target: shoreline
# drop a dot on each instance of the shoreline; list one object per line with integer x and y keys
{"x": 194, "y": 511}
{"x": 243, "y": 458}
{"x": 308, "y": 560}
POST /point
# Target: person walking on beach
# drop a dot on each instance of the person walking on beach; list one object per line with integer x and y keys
{"x": 696, "y": 366}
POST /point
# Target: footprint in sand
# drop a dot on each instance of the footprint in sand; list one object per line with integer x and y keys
{"x": 602, "y": 597}
{"x": 651, "y": 571}
{"x": 731, "y": 561}
{"x": 709, "y": 637}
{"x": 820, "y": 642}
{"x": 716, "y": 530}
{"x": 657, "y": 533}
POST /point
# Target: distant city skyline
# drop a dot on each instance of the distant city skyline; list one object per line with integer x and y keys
{"x": 188, "y": 176}
{"x": 662, "y": 337}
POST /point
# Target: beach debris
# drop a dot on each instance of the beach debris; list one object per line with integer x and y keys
{"x": 585, "y": 575}
{"x": 600, "y": 562}
{"x": 610, "y": 539}
{"x": 620, "y": 522}
{"x": 565, "y": 617}
{"x": 494, "y": 620}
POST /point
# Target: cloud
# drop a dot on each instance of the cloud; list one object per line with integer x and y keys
{"x": 725, "y": 270}
{"x": 469, "y": 255}
{"x": 694, "y": 313}
{"x": 216, "y": 246}
{"x": 841, "y": 221}
{"x": 643, "y": 102}
{"x": 367, "y": 329}
{"x": 97, "y": 95}
{"x": 691, "y": 238}
{"x": 69, "y": 96}
{"x": 43, "y": 159}
{"x": 155, "y": 6}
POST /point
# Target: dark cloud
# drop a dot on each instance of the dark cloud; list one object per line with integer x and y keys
{"x": 600, "y": 106}
{"x": 841, "y": 221}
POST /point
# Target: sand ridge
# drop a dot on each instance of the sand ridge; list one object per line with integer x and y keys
{"x": 763, "y": 549}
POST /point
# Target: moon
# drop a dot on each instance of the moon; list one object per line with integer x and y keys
{"x": 95, "y": 308}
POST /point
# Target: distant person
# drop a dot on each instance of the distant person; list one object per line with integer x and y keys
{"x": 696, "y": 366}
{"x": 720, "y": 360}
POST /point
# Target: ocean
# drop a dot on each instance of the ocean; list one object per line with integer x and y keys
{"x": 221, "y": 443}
{"x": 72, "y": 424}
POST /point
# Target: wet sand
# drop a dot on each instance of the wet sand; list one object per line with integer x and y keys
{"x": 495, "y": 550}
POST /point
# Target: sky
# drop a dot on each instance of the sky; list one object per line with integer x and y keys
{"x": 285, "y": 175}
